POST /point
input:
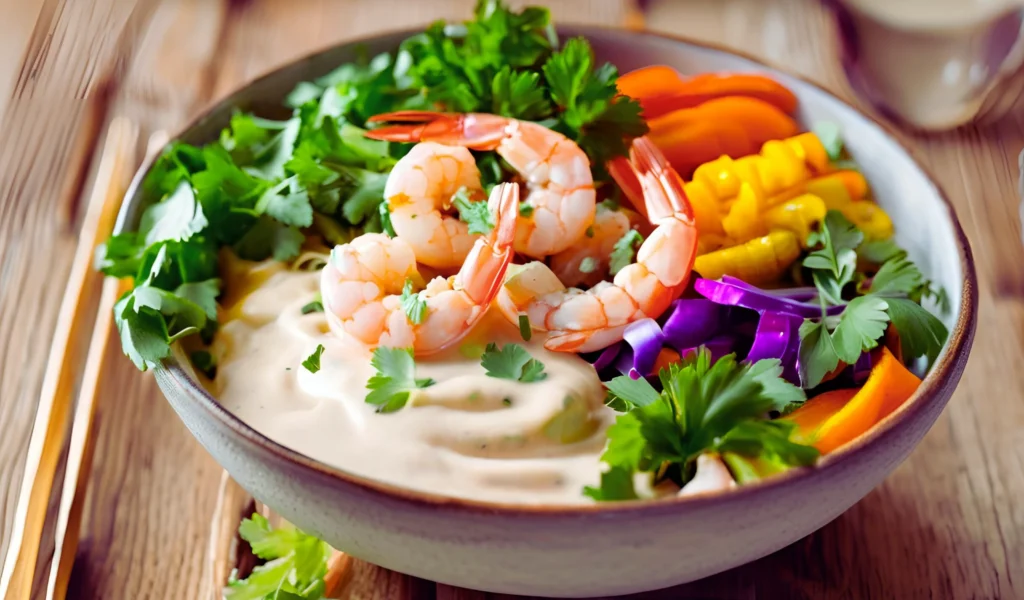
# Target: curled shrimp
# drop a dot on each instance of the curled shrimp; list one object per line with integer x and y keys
{"x": 556, "y": 171}
{"x": 586, "y": 262}
{"x": 361, "y": 283}
{"x": 583, "y": 321}
{"x": 419, "y": 194}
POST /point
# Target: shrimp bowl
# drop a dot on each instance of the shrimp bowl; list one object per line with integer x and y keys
{"x": 632, "y": 312}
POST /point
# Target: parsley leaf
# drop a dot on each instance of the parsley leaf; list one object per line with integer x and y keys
{"x": 787, "y": 396}
{"x": 921, "y": 333}
{"x": 704, "y": 406}
{"x": 287, "y": 203}
{"x": 476, "y": 214}
{"x": 295, "y": 568}
{"x": 831, "y": 138}
{"x": 414, "y": 304}
{"x": 879, "y": 251}
{"x": 863, "y": 321}
{"x": 395, "y": 380}
{"x": 512, "y": 361}
{"x": 518, "y": 94}
{"x": 632, "y": 392}
{"x": 897, "y": 276}
{"x": 314, "y": 306}
{"x": 835, "y": 262}
{"x": 312, "y": 362}
{"x": 178, "y": 217}
{"x": 817, "y": 353}
{"x": 624, "y": 251}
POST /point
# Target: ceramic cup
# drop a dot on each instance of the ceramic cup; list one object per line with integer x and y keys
{"x": 934, "y": 64}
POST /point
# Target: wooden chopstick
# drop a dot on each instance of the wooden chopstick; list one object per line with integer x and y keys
{"x": 55, "y": 399}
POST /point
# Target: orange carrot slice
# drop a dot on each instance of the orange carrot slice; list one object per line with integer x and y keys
{"x": 660, "y": 89}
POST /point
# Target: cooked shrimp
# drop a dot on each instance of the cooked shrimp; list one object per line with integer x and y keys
{"x": 586, "y": 261}
{"x": 556, "y": 171}
{"x": 583, "y": 321}
{"x": 361, "y": 283}
{"x": 419, "y": 194}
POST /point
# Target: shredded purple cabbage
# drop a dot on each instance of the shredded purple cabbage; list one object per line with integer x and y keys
{"x": 745, "y": 295}
{"x": 778, "y": 336}
{"x": 646, "y": 339}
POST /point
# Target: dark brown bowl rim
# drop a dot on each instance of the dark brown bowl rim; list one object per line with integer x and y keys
{"x": 949, "y": 366}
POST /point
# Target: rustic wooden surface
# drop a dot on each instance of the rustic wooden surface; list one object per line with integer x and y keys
{"x": 946, "y": 524}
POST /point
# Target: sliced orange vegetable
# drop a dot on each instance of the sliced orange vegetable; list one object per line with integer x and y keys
{"x": 854, "y": 182}
{"x": 660, "y": 89}
{"x": 666, "y": 357}
{"x": 832, "y": 423}
{"x": 810, "y": 149}
{"x": 688, "y": 140}
{"x": 761, "y": 121}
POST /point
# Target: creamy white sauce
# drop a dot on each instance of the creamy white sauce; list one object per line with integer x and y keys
{"x": 469, "y": 435}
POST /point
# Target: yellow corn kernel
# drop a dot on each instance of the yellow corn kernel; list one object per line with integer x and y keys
{"x": 761, "y": 260}
{"x": 705, "y": 207}
{"x": 743, "y": 221}
{"x": 798, "y": 215}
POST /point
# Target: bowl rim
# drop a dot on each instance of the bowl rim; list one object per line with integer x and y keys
{"x": 945, "y": 372}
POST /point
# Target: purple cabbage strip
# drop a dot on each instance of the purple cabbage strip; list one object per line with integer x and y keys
{"x": 799, "y": 294}
{"x": 692, "y": 321}
{"x": 646, "y": 339}
{"x": 607, "y": 357}
{"x": 862, "y": 368}
{"x": 778, "y": 336}
{"x": 748, "y": 296}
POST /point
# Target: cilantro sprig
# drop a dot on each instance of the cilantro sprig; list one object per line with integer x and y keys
{"x": 295, "y": 566}
{"x": 704, "y": 406}
{"x": 395, "y": 380}
{"x": 891, "y": 296}
{"x": 512, "y": 361}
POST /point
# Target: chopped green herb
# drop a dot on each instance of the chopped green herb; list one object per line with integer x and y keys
{"x": 204, "y": 361}
{"x": 525, "y": 330}
{"x": 395, "y": 380}
{"x": 295, "y": 568}
{"x": 624, "y": 251}
{"x": 831, "y": 138}
{"x": 476, "y": 214}
{"x": 588, "y": 265}
{"x": 704, "y": 406}
{"x": 589, "y": 231}
{"x": 525, "y": 211}
{"x": 314, "y": 306}
{"x": 512, "y": 361}
{"x": 506, "y": 402}
{"x": 414, "y": 304}
{"x": 312, "y": 362}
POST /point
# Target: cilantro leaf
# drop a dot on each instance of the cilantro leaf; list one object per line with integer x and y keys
{"x": 817, "y": 354}
{"x": 476, "y": 214}
{"x": 897, "y": 276}
{"x": 178, "y": 217}
{"x": 863, "y": 321}
{"x": 519, "y": 95}
{"x": 414, "y": 304}
{"x": 879, "y": 251}
{"x": 633, "y": 392}
{"x": 313, "y": 306}
{"x": 287, "y": 203}
{"x": 704, "y": 405}
{"x": 768, "y": 373}
{"x": 144, "y": 337}
{"x": 395, "y": 380}
{"x": 312, "y": 362}
{"x": 831, "y": 138}
{"x": 512, "y": 361}
{"x": 921, "y": 333}
{"x": 624, "y": 251}
{"x": 270, "y": 238}
{"x": 295, "y": 568}
{"x": 835, "y": 262}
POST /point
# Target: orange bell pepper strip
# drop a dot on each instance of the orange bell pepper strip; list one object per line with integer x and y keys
{"x": 836, "y": 418}
{"x": 666, "y": 357}
{"x": 660, "y": 89}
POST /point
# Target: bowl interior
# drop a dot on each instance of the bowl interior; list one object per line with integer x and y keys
{"x": 924, "y": 220}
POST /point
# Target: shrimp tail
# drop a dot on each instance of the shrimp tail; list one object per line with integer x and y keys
{"x": 483, "y": 272}
{"x": 476, "y": 131}
{"x": 662, "y": 187}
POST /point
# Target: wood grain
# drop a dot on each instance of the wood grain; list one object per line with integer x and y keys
{"x": 157, "y": 520}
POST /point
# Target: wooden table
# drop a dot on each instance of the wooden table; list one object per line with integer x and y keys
{"x": 946, "y": 524}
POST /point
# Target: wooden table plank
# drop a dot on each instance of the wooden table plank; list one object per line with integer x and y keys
{"x": 946, "y": 523}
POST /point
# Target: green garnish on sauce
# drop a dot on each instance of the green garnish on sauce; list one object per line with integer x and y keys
{"x": 312, "y": 362}
{"x": 512, "y": 361}
{"x": 395, "y": 380}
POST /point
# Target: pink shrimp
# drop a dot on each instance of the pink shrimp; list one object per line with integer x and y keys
{"x": 583, "y": 321}
{"x": 555, "y": 169}
{"x": 361, "y": 283}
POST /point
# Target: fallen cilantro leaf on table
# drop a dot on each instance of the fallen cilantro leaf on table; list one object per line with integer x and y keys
{"x": 704, "y": 406}
{"x": 395, "y": 380}
{"x": 312, "y": 362}
{"x": 624, "y": 251}
{"x": 295, "y": 568}
{"x": 512, "y": 361}
{"x": 414, "y": 304}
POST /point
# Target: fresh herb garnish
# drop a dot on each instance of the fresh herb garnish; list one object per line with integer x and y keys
{"x": 474, "y": 213}
{"x": 525, "y": 330}
{"x": 891, "y": 295}
{"x": 588, "y": 264}
{"x": 624, "y": 251}
{"x": 295, "y": 568}
{"x": 395, "y": 380}
{"x": 204, "y": 362}
{"x": 512, "y": 361}
{"x": 704, "y": 406}
{"x": 831, "y": 138}
{"x": 313, "y": 306}
{"x": 312, "y": 362}
{"x": 414, "y": 304}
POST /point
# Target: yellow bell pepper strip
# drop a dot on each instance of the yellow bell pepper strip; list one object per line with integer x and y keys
{"x": 809, "y": 149}
{"x": 833, "y": 422}
{"x": 761, "y": 260}
{"x": 709, "y": 242}
{"x": 743, "y": 222}
{"x": 865, "y": 214}
{"x": 798, "y": 215}
{"x": 705, "y": 208}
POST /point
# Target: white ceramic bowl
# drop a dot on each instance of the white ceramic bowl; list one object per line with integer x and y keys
{"x": 612, "y": 548}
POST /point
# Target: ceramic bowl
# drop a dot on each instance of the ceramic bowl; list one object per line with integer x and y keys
{"x": 601, "y": 549}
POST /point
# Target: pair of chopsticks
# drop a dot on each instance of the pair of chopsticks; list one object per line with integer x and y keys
{"x": 56, "y": 399}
